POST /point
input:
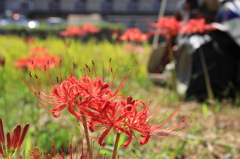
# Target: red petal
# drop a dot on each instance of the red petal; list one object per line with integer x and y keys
{"x": 25, "y": 129}
{"x": 101, "y": 138}
{"x": 2, "y": 140}
{"x": 129, "y": 139}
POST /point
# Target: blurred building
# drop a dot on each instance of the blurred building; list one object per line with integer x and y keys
{"x": 131, "y": 12}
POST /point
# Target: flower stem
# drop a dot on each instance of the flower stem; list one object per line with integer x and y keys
{"x": 116, "y": 146}
{"x": 87, "y": 137}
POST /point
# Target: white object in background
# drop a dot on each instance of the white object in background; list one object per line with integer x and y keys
{"x": 233, "y": 28}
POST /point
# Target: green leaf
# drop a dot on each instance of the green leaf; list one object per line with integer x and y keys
{"x": 181, "y": 148}
{"x": 204, "y": 110}
{"x": 108, "y": 153}
{"x": 228, "y": 148}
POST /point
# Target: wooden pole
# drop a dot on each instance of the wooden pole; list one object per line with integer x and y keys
{"x": 160, "y": 14}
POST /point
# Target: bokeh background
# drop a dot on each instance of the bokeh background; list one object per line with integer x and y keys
{"x": 28, "y": 25}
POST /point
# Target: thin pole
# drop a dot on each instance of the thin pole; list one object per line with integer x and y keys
{"x": 160, "y": 14}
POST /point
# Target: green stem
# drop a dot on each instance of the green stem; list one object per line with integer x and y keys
{"x": 116, "y": 146}
{"x": 206, "y": 75}
{"x": 87, "y": 137}
{"x": 3, "y": 94}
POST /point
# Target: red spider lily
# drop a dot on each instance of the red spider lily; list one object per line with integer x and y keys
{"x": 8, "y": 149}
{"x": 73, "y": 31}
{"x": 36, "y": 62}
{"x": 132, "y": 117}
{"x": 66, "y": 95}
{"x": 168, "y": 26}
{"x": 73, "y": 93}
{"x": 100, "y": 108}
{"x": 38, "y": 51}
{"x": 196, "y": 26}
{"x": 134, "y": 35}
{"x": 88, "y": 28}
{"x": 113, "y": 115}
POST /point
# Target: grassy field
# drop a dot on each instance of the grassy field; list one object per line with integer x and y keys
{"x": 215, "y": 135}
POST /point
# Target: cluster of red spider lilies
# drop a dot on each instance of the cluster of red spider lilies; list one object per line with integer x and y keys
{"x": 80, "y": 31}
{"x": 96, "y": 101}
{"x": 99, "y": 107}
{"x": 168, "y": 26}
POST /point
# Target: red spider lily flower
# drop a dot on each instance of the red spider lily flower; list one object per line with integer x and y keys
{"x": 65, "y": 95}
{"x": 196, "y": 26}
{"x": 134, "y": 35}
{"x": 88, "y": 28}
{"x": 73, "y": 31}
{"x": 73, "y": 93}
{"x": 106, "y": 117}
{"x": 156, "y": 129}
{"x": 102, "y": 108}
{"x": 29, "y": 40}
{"x": 132, "y": 117}
{"x": 113, "y": 115}
{"x": 13, "y": 142}
{"x": 38, "y": 59}
{"x": 37, "y": 62}
{"x": 168, "y": 26}
{"x": 38, "y": 50}
{"x": 98, "y": 89}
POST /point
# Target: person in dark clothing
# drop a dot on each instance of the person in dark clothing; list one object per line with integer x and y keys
{"x": 187, "y": 9}
{"x": 182, "y": 10}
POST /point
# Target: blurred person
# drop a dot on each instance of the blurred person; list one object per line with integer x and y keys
{"x": 187, "y": 9}
{"x": 182, "y": 10}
